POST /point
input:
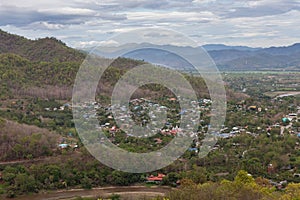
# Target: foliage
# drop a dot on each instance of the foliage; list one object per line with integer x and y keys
{"x": 243, "y": 187}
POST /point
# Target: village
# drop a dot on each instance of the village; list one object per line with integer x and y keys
{"x": 143, "y": 111}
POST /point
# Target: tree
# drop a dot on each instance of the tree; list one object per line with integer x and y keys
{"x": 243, "y": 178}
{"x": 25, "y": 183}
{"x": 197, "y": 174}
{"x": 171, "y": 179}
{"x": 292, "y": 192}
{"x": 86, "y": 183}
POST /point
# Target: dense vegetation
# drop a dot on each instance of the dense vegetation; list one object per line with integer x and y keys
{"x": 243, "y": 187}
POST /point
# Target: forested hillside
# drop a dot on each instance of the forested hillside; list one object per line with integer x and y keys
{"x": 46, "y": 49}
{"x": 47, "y": 68}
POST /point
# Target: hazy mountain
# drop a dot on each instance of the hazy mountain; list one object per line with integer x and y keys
{"x": 273, "y": 58}
{"x": 227, "y": 58}
{"x": 217, "y": 47}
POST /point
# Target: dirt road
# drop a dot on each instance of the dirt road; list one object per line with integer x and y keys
{"x": 130, "y": 192}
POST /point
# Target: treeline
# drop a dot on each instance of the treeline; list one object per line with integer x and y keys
{"x": 67, "y": 173}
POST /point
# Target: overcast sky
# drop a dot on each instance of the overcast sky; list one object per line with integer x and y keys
{"x": 79, "y": 23}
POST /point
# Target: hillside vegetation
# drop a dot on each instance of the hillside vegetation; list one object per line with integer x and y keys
{"x": 47, "y": 68}
{"x": 46, "y": 49}
{"x": 18, "y": 141}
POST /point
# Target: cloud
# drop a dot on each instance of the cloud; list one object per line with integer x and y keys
{"x": 45, "y": 25}
{"x": 112, "y": 17}
{"x": 207, "y": 21}
{"x": 18, "y": 16}
{"x": 258, "y": 8}
{"x": 97, "y": 43}
{"x": 23, "y": 16}
{"x": 68, "y": 11}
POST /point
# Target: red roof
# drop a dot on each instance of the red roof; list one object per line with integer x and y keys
{"x": 156, "y": 178}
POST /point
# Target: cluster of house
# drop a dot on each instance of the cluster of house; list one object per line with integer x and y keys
{"x": 148, "y": 112}
{"x": 172, "y": 132}
{"x": 288, "y": 121}
{"x": 142, "y": 107}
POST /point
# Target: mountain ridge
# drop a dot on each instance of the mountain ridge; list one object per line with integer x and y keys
{"x": 227, "y": 58}
{"x": 47, "y": 49}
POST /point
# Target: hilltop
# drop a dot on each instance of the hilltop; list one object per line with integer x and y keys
{"x": 45, "y": 49}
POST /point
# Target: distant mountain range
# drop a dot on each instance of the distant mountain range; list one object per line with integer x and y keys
{"x": 217, "y": 47}
{"x": 273, "y": 58}
{"x": 227, "y": 58}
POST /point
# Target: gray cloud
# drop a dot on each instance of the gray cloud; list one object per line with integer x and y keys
{"x": 112, "y": 17}
{"x": 118, "y": 5}
{"x": 264, "y": 8}
{"x": 115, "y": 10}
{"x": 17, "y": 16}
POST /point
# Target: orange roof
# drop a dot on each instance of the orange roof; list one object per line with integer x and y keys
{"x": 159, "y": 177}
{"x": 172, "y": 99}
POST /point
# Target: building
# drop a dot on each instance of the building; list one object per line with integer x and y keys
{"x": 155, "y": 179}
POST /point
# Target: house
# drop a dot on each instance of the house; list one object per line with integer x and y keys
{"x": 63, "y": 146}
{"x": 285, "y": 120}
{"x": 293, "y": 115}
{"x": 158, "y": 140}
{"x": 296, "y": 175}
{"x": 67, "y": 105}
{"x": 193, "y": 149}
{"x": 113, "y": 129}
{"x": 155, "y": 179}
{"x": 252, "y": 108}
{"x": 235, "y": 128}
{"x": 173, "y": 131}
{"x": 224, "y": 135}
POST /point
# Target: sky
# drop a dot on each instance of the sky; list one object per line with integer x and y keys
{"x": 86, "y": 23}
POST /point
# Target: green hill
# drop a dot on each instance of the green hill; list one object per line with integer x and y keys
{"x": 47, "y": 68}
{"x": 46, "y": 49}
